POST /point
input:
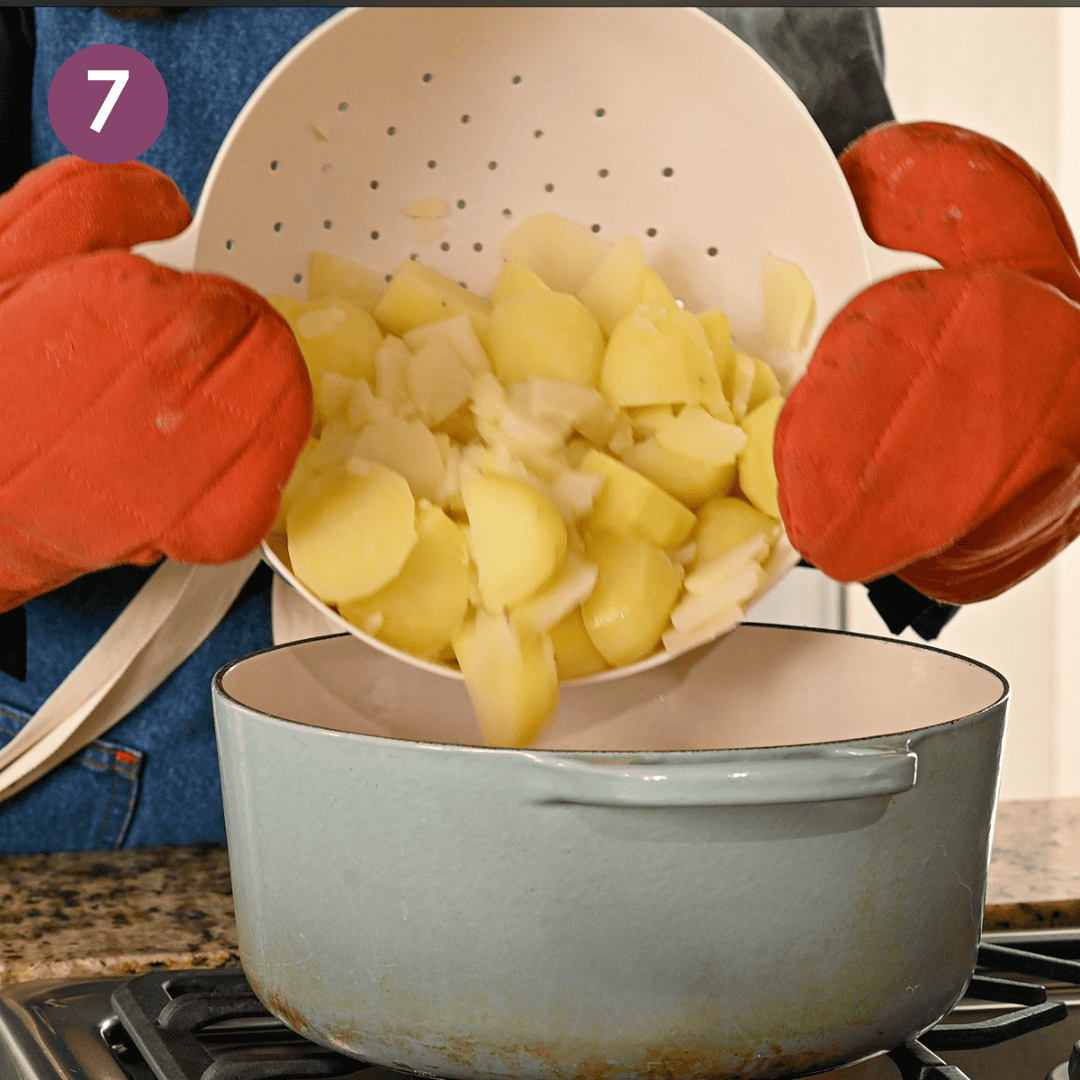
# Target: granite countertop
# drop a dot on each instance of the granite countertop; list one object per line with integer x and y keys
{"x": 1035, "y": 870}
{"x": 115, "y": 912}
{"x": 126, "y": 912}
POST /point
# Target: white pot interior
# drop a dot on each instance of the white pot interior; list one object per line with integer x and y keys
{"x": 760, "y": 686}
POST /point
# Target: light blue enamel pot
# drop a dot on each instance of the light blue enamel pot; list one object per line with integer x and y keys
{"x": 782, "y": 875}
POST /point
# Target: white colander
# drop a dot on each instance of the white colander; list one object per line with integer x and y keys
{"x": 655, "y": 121}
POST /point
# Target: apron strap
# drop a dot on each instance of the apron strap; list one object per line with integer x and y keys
{"x": 168, "y": 619}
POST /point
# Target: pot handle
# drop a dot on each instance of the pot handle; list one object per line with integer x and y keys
{"x": 823, "y": 775}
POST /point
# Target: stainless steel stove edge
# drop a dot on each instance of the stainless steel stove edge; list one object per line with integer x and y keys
{"x": 54, "y": 1029}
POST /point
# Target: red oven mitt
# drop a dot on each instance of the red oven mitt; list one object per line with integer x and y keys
{"x": 144, "y": 412}
{"x": 936, "y": 433}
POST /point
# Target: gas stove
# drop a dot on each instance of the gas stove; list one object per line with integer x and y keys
{"x": 1020, "y": 1020}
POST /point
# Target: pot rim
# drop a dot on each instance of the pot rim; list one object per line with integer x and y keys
{"x": 644, "y": 756}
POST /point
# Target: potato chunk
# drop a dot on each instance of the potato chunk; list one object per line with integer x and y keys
{"x": 790, "y": 304}
{"x": 764, "y": 386}
{"x": 689, "y": 479}
{"x": 561, "y": 253}
{"x": 718, "y": 333}
{"x": 518, "y": 538}
{"x": 458, "y": 331}
{"x": 629, "y": 608}
{"x": 661, "y": 356}
{"x": 631, "y": 505}
{"x": 613, "y": 289}
{"x": 337, "y": 336}
{"x": 511, "y": 678}
{"x": 422, "y": 609}
{"x": 515, "y": 278}
{"x": 697, "y": 434}
{"x": 726, "y": 523}
{"x": 437, "y": 380}
{"x": 351, "y": 530}
{"x": 576, "y": 657}
{"x": 757, "y": 472}
{"x": 417, "y": 295}
{"x": 407, "y": 447}
{"x": 333, "y": 275}
{"x": 546, "y": 334}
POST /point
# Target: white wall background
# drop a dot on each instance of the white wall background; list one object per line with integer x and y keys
{"x": 1013, "y": 74}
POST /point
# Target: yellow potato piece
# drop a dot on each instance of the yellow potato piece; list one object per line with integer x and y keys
{"x": 659, "y": 356}
{"x": 546, "y": 334}
{"x": 697, "y": 434}
{"x": 703, "y": 371}
{"x": 418, "y": 295}
{"x": 636, "y": 590}
{"x": 790, "y": 304}
{"x": 334, "y": 275}
{"x": 739, "y": 381}
{"x": 561, "y": 253}
{"x": 757, "y": 472}
{"x": 437, "y": 380}
{"x": 718, "y": 333}
{"x": 422, "y": 609}
{"x": 332, "y": 394}
{"x": 654, "y": 293}
{"x": 564, "y": 593}
{"x": 764, "y": 386}
{"x": 430, "y": 206}
{"x": 351, "y": 530}
{"x": 646, "y": 420}
{"x": 576, "y": 657}
{"x": 459, "y": 332}
{"x": 284, "y": 305}
{"x": 613, "y": 289}
{"x": 511, "y": 678}
{"x": 337, "y": 336}
{"x": 408, "y": 447}
{"x": 515, "y": 278}
{"x": 632, "y": 505}
{"x": 690, "y": 480}
{"x": 334, "y": 445}
{"x": 725, "y": 524}
{"x": 302, "y": 473}
{"x": 518, "y": 538}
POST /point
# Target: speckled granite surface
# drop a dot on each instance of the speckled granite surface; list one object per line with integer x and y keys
{"x": 109, "y": 913}
{"x": 1035, "y": 871}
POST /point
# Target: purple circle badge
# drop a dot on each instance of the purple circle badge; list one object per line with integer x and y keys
{"x": 108, "y": 103}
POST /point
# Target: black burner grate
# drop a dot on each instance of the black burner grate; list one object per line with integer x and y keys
{"x": 165, "y": 1015}
{"x": 180, "y": 1023}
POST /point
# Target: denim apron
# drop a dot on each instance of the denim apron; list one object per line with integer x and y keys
{"x": 153, "y": 779}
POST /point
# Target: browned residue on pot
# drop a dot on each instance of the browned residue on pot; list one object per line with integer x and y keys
{"x": 289, "y": 1013}
{"x": 460, "y": 1052}
{"x": 344, "y": 1036}
{"x": 670, "y": 1061}
{"x": 699, "y": 1063}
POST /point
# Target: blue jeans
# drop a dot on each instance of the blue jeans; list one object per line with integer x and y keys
{"x": 152, "y": 779}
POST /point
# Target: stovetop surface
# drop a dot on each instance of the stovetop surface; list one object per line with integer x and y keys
{"x": 207, "y": 1025}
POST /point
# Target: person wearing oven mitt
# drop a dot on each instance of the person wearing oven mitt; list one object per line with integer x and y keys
{"x": 931, "y": 451}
